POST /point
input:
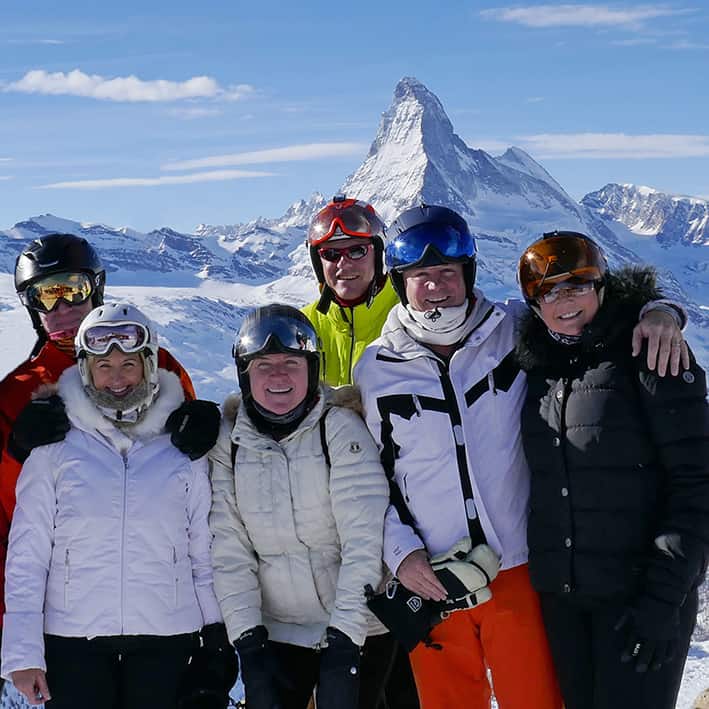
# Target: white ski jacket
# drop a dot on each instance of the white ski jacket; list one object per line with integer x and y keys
{"x": 296, "y": 539}
{"x": 444, "y": 428}
{"x": 110, "y": 533}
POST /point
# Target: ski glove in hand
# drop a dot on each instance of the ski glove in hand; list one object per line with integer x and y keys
{"x": 651, "y": 630}
{"x": 194, "y": 427}
{"x": 41, "y": 422}
{"x": 338, "y": 685}
{"x": 211, "y": 673}
{"x": 259, "y": 669}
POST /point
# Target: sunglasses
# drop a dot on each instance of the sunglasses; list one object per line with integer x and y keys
{"x": 570, "y": 290}
{"x": 128, "y": 337}
{"x": 352, "y": 253}
{"x": 72, "y": 288}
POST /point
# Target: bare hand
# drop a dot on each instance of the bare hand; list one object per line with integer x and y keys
{"x": 665, "y": 343}
{"x": 32, "y": 684}
{"x": 416, "y": 574}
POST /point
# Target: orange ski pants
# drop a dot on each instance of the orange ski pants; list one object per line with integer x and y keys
{"x": 505, "y": 635}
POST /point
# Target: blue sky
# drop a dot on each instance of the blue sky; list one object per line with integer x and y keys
{"x": 109, "y": 113}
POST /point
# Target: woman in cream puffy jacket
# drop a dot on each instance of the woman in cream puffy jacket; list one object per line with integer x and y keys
{"x": 298, "y": 507}
{"x": 108, "y": 572}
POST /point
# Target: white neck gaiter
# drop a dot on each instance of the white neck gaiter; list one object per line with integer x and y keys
{"x": 440, "y": 326}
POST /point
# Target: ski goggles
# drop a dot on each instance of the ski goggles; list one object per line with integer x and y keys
{"x": 551, "y": 261}
{"x": 351, "y": 217}
{"x": 72, "y": 288}
{"x": 129, "y": 337}
{"x": 355, "y": 252}
{"x": 568, "y": 289}
{"x": 410, "y": 248}
{"x": 274, "y": 334}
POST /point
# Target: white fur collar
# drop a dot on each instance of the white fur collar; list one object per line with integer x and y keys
{"x": 83, "y": 413}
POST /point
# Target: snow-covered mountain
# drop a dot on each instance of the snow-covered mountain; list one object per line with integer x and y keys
{"x": 416, "y": 156}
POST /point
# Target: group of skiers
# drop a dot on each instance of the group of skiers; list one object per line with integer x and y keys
{"x": 512, "y": 499}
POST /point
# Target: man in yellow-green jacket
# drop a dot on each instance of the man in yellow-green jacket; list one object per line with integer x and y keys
{"x": 346, "y": 241}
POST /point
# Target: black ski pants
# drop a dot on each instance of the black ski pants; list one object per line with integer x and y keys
{"x": 299, "y": 667}
{"x": 116, "y": 672}
{"x": 586, "y": 651}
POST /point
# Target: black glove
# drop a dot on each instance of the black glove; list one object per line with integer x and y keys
{"x": 338, "y": 685}
{"x": 41, "y": 422}
{"x": 194, "y": 427}
{"x": 651, "y": 630}
{"x": 211, "y": 673}
{"x": 259, "y": 669}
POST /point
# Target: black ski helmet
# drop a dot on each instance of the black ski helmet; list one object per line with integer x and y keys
{"x": 556, "y": 257}
{"x": 345, "y": 218}
{"x": 276, "y": 329}
{"x": 58, "y": 253}
{"x": 429, "y": 236}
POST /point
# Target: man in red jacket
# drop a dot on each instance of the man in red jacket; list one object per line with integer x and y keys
{"x": 60, "y": 279}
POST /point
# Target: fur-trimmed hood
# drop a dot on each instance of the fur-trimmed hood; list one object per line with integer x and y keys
{"x": 347, "y": 397}
{"x": 84, "y": 414}
{"x": 626, "y": 291}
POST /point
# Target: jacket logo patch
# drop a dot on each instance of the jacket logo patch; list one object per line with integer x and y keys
{"x": 415, "y": 603}
{"x": 355, "y": 447}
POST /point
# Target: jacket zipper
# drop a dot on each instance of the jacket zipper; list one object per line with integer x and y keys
{"x": 66, "y": 578}
{"x": 123, "y": 536}
{"x": 352, "y": 344}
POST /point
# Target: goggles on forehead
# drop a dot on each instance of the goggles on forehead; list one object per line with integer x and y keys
{"x": 128, "y": 337}
{"x": 72, "y": 288}
{"x": 353, "y": 253}
{"x": 275, "y": 334}
{"x": 556, "y": 259}
{"x": 409, "y": 248}
{"x": 351, "y": 217}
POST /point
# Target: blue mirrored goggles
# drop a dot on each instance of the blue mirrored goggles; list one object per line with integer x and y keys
{"x": 409, "y": 248}
{"x": 274, "y": 335}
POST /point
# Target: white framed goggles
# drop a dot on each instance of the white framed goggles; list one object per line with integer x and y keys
{"x": 129, "y": 337}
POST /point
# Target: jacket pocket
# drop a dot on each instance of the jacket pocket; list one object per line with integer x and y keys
{"x": 67, "y": 577}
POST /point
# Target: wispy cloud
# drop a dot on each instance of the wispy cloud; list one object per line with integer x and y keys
{"x": 35, "y": 41}
{"x": 194, "y": 112}
{"x": 687, "y": 44}
{"x": 291, "y": 153}
{"x": 212, "y": 176}
{"x": 614, "y": 145}
{"x": 535, "y": 99}
{"x": 124, "y": 88}
{"x": 568, "y": 15}
{"x": 634, "y": 42}
{"x": 5, "y": 177}
{"x": 5, "y": 159}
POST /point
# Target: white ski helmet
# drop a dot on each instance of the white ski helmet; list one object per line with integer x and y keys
{"x": 123, "y": 326}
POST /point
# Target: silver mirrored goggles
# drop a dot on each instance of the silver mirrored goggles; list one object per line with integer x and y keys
{"x": 273, "y": 335}
{"x": 128, "y": 337}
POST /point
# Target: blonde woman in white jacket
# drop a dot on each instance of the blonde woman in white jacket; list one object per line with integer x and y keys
{"x": 299, "y": 498}
{"x": 108, "y": 571}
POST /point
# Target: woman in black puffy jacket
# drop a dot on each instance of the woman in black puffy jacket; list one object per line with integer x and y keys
{"x": 619, "y": 509}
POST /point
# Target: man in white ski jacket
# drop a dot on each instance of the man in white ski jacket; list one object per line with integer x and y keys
{"x": 442, "y": 395}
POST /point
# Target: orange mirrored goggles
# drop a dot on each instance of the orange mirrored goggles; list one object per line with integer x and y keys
{"x": 556, "y": 259}
{"x": 350, "y": 216}
{"x": 72, "y": 288}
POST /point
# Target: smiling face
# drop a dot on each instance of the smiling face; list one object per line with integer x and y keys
{"x": 435, "y": 286}
{"x": 348, "y": 278}
{"x": 570, "y": 312}
{"x": 279, "y": 382}
{"x": 116, "y": 373}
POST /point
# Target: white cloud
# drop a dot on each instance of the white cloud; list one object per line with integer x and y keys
{"x": 35, "y": 41}
{"x": 5, "y": 177}
{"x": 568, "y": 15}
{"x": 213, "y": 176}
{"x": 535, "y": 99}
{"x": 614, "y": 145}
{"x": 123, "y": 88}
{"x": 635, "y": 42}
{"x": 687, "y": 44}
{"x": 5, "y": 159}
{"x": 291, "y": 153}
